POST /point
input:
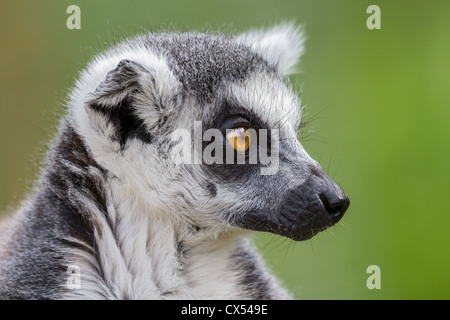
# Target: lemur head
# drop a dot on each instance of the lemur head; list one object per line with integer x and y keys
{"x": 239, "y": 123}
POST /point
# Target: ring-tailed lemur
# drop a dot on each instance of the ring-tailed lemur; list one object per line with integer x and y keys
{"x": 114, "y": 205}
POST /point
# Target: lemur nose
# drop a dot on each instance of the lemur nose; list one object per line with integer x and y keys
{"x": 335, "y": 204}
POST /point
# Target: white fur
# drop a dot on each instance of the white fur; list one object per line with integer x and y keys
{"x": 143, "y": 263}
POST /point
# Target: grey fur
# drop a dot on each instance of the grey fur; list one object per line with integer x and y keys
{"x": 111, "y": 201}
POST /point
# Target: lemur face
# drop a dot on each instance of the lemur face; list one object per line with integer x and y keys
{"x": 203, "y": 129}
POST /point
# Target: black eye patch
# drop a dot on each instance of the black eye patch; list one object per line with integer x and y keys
{"x": 231, "y": 116}
{"x": 235, "y": 121}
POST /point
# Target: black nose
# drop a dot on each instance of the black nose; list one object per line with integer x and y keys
{"x": 308, "y": 208}
{"x": 335, "y": 204}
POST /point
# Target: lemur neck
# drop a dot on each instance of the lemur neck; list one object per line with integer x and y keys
{"x": 123, "y": 248}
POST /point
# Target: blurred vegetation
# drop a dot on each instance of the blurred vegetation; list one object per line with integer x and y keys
{"x": 378, "y": 101}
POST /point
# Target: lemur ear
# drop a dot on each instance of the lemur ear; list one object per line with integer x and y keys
{"x": 131, "y": 100}
{"x": 123, "y": 82}
{"x": 281, "y": 46}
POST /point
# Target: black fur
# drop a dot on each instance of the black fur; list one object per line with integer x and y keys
{"x": 128, "y": 125}
{"x": 55, "y": 216}
{"x": 251, "y": 281}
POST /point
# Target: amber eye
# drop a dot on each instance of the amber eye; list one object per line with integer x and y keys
{"x": 239, "y": 139}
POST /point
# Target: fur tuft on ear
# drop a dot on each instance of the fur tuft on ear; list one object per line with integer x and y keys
{"x": 281, "y": 45}
{"x": 120, "y": 83}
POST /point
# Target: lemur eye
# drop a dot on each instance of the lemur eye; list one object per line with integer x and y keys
{"x": 239, "y": 139}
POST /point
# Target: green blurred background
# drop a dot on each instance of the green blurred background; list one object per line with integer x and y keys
{"x": 378, "y": 100}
